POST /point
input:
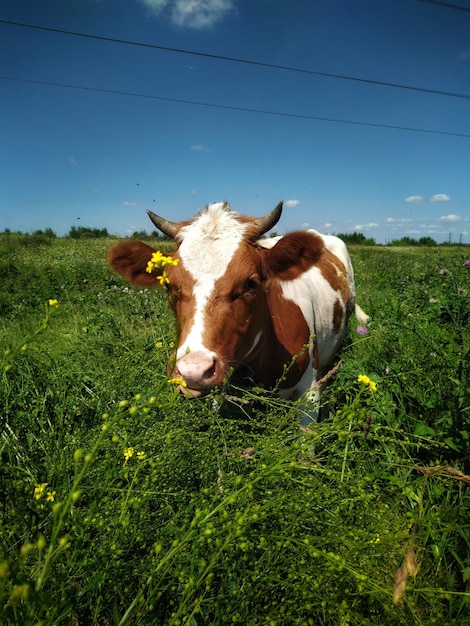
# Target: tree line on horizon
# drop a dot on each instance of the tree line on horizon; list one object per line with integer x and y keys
{"x": 37, "y": 237}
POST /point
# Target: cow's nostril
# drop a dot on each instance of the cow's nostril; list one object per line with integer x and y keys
{"x": 210, "y": 371}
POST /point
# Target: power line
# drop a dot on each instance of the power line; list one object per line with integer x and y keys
{"x": 446, "y": 5}
{"x": 286, "y": 68}
{"x": 233, "y": 108}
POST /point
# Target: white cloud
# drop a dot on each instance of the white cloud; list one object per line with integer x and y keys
{"x": 129, "y": 204}
{"x": 73, "y": 161}
{"x": 450, "y": 218}
{"x": 366, "y": 226}
{"x": 440, "y": 197}
{"x": 291, "y": 203}
{"x": 415, "y": 199}
{"x": 398, "y": 220}
{"x": 192, "y": 13}
{"x": 198, "y": 148}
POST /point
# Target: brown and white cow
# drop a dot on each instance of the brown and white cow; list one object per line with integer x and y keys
{"x": 277, "y": 306}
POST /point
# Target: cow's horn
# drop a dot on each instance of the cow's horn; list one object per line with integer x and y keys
{"x": 268, "y": 221}
{"x": 167, "y": 227}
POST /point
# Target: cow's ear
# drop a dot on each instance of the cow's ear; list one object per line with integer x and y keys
{"x": 130, "y": 259}
{"x": 293, "y": 254}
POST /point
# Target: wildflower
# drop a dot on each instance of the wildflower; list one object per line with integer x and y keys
{"x": 467, "y": 262}
{"x": 159, "y": 344}
{"x": 172, "y": 344}
{"x": 50, "y": 496}
{"x": 158, "y": 262}
{"x": 54, "y": 303}
{"x": 128, "y": 452}
{"x": 362, "y": 330}
{"x": 367, "y": 382}
{"x": 141, "y": 455}
{"x": 443, "y": 271}
{"x": 39, "y": 490}
{"x": 177, "y": 381}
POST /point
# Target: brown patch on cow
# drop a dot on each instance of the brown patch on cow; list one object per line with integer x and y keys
{"x": 285, "y": 338}
{"x": 316, "y": 357}
{"x": 251, "y": 234}
{"x": 338, "y": 316}
{"x": 130, "y": 259}
{"x": 334, "y": 271}
{"x": 293, "y": 255}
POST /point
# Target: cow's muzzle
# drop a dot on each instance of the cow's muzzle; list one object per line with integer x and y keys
{"x": 198, "y": 371}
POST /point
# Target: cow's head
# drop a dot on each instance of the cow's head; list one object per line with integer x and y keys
{"x": 216, "y": 287}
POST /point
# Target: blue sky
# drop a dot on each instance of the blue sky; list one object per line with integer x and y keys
{"x": 89, "y": 157}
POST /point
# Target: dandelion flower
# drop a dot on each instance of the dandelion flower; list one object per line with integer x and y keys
{"x": 54, "y": 303}
{"x": 362, "y": 330}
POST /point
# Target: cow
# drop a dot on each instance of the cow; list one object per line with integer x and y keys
{"x": 275, "y": 307}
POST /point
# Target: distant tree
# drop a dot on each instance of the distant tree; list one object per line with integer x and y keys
{"x": 426, "y": 241}
{"x": 83, "y": 232}
{"x": 356, "y": 239}
{"x": 139, "y": 234}
{"x": 404, "y": 241}
{"x": 48, "y": 232}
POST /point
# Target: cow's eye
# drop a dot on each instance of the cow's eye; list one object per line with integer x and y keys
{"x": 251, "y": 284}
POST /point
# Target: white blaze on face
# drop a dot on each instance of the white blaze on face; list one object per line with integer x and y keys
{"x": 207, "y": 246}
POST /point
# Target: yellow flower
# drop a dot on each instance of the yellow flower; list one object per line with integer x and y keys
{"x": 367, "y": 382}
{"x": 159, "y": 344}
{"x": 50, "y": 496}
{"x": 128, "y": 452}
{"x": 39, "y": 490}
{"x": 163, "y": 278}
{"x": 158, "y": 262}
{"x": 54, "y": 303}
{"x": 141, "y": 455}
{"x": 177, "y": 381}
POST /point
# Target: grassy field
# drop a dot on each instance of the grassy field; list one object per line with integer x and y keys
{"x": 123, "y": 503}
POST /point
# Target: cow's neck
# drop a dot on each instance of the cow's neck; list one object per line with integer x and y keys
{"x": 282, "y": 353}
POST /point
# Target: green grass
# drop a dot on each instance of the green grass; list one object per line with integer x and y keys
{"x": 122, "y": 502}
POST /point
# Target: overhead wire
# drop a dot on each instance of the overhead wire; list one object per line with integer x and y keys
{"x": 233, "y": 108}
{"x": 458, "y": 7}
{"x": 219, "y": 57}
{"x": 234, "y": 60}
